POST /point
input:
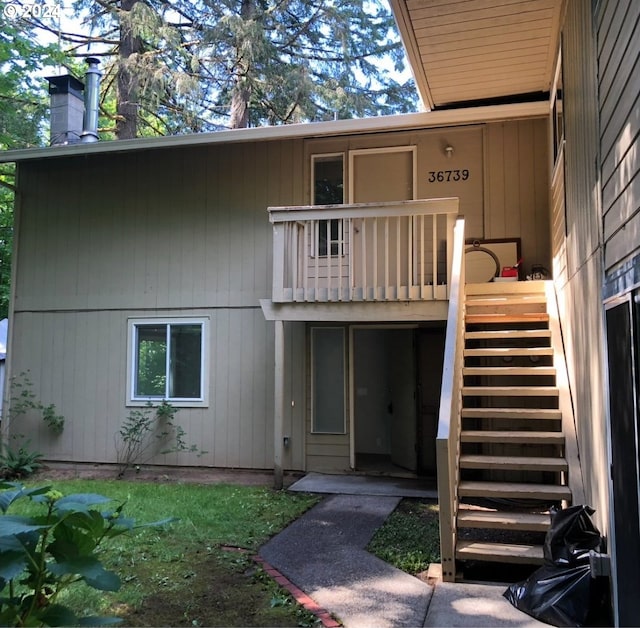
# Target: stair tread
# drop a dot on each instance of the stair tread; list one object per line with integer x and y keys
{"x": 505, "y": 288}
{"x": 509, "y": 370}
{"x": 507, "y": 351}
{"x": 526, "y": 490}
{"x": 515, "y": 391}
{"x": 536, "y": 317}
{"x": 501, "y": 334}
{"x": 534, "y": 463}
{"x": 511, "y": 436}
{"x": 538, "y": 522}
{"x": 511, "y": 413}
{"x": 499, "y": 552}
{"x": 491, "y": 300}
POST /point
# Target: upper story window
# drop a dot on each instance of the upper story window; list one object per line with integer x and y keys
{"x": 167, "y": 361}
{"x": 327, "y": 172}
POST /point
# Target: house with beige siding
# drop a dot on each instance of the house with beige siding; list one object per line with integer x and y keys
{"x": 341, "y": 297}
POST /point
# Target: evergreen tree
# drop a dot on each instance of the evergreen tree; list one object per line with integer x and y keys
{"x": 175, "y": 66}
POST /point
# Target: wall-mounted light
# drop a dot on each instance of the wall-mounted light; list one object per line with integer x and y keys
{"x": 285, "y": 441}
{"x": 448, "y": 151}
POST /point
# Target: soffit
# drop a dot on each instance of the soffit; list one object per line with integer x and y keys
{"x": 479, "y": 50}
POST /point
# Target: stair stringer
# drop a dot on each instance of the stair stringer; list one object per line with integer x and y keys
{"x": 513, "y": 553}
{"x": 572, "y": 451}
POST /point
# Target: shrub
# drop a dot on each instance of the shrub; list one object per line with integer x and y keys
{"x": 148, "y": 431}
{"x": 43, "y": 555}
{"x": 23, "y": 399}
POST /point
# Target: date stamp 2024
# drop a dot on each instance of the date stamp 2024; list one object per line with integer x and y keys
{"x": 26, "y": 10}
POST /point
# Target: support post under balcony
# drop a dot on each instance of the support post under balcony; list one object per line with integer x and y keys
{"x": 278, "y": 415}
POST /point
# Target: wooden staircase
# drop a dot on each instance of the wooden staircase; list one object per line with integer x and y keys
{"x": 512, "y": 448}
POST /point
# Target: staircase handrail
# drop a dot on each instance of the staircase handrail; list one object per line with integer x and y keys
{"x": 449, "y": 421}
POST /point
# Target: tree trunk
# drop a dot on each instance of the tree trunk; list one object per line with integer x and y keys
{"x": 241, "y": 93}
{"x": 127, "y": 121}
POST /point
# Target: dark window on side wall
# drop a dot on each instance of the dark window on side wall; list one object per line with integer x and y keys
{"x": 328, "y": 189}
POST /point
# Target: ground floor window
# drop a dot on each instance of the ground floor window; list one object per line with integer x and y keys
{"x": 167, "y": 360}
{"x": 328, "y": 380}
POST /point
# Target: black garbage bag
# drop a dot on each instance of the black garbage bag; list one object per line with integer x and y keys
{"x": 556, "y": 595}
{"x": 571, "y": 537}
{"x": 562, "y": 591}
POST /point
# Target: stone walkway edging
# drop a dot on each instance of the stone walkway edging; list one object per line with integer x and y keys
{"x": 298, "y": 594}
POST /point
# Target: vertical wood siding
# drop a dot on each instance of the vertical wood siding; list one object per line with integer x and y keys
{"x": 166, "y": 233}
{"x": 580, "y": 286}
{"x": 517, "y": 187}
{"x": 581, "y": 147}
{"x": 558, "y": 222}
{"x": 507, "y": 193}
{"x": 185, "y": 232}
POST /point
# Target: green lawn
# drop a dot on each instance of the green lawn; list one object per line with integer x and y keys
{"x": 410, "y": 538}
{"x": 190, "y": 572}
{"x": 182, "y": 573}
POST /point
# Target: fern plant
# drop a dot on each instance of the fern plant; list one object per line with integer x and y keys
{"x": 18, "y": 462}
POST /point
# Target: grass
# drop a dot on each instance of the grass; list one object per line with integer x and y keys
{"x": 180, "y": 573}
{"x": 409, "y": 539}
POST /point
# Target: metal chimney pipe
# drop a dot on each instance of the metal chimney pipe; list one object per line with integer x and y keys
{"x": 91, "y": 101}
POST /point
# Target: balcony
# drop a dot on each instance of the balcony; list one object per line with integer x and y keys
{"x": 392, "y": 251}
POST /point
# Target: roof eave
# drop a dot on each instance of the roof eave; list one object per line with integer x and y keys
{"x": 427, "y": 119}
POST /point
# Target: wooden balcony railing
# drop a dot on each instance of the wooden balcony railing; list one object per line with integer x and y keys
{"x": 398, "y": 251}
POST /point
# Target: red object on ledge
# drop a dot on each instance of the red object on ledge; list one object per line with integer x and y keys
{"x": 511, "y": 271}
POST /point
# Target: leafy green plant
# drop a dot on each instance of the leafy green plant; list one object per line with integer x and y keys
{"x": 19, "y": 462}
{"x": 23, "y": 400}
{"x": 53, "y": 420}
{"x": 148, "y": 431}
{"x": 224, "y": 591}
{"x": 45, "y": 554}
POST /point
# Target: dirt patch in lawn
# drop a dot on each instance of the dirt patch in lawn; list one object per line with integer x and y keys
{"x": 225, "y": 588}
{"x": 217, "y": 594}
{"x": 162, "y": 474}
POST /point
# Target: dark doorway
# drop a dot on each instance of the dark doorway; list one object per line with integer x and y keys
{"x": 622, "y": 346}
{"x": 384, "y": 400}
{"x": 397, "y": 378}
{"x": 430, "y": 344}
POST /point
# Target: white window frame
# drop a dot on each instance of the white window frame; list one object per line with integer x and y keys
{"x": 136, "y": 400}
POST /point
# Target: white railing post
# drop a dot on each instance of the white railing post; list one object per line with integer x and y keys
{"x": 434, "y": 257}
{"x": 278, "y": 261}
{"x": 451, "y": 223}
{"x": 449, "y": 421}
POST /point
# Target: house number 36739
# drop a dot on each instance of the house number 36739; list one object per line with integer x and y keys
{"x": 439, "y": 176}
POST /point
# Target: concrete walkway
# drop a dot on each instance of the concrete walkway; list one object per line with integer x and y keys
{"x": 323, "y": 554}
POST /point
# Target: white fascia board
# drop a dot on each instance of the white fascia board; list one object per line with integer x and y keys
{"x": 407, "y": 121}
{"x": 412, "y": 50}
